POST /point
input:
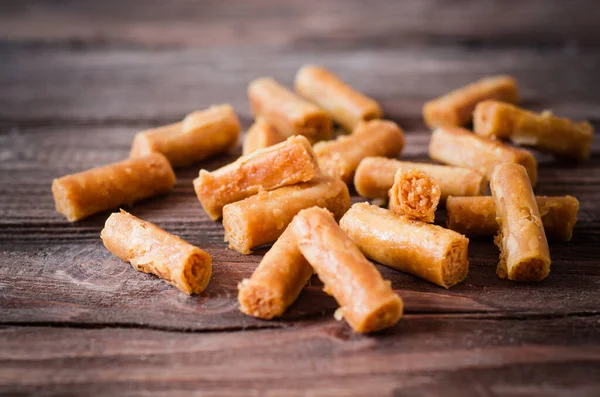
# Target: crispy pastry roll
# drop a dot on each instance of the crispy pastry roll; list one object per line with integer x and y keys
{"x": 340, "y": 157}
{"x": 460, "y": 147}
{"x": 200, "y": 135}
{"x": 347, "y": 106}
{"x": 80, "y": 195}
{"x": 524, "y": 254}
{"x": 414, "y": 194}
{"x": 456, "y": 108}
{"x": 277, "y": 281}
{"x": 476, "y": 216}
{"x": 375, "y": 176}
{"x": 283, "y": 164}
{"x": 289, "y": 113}
{"x": 428, "y": 251}
{"x": 260, "y": 219}
{"x": 151, "y": 249}
{"x": 366, "y": 300}
{"x": 544, "y": 131}
{"x": 260, "y": 135}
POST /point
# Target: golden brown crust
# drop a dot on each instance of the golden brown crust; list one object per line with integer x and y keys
{"x": 260, "y": 135}
{"x": 415, "y": 194}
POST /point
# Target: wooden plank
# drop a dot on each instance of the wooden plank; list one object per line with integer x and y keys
{"x": 420, "y": 356}
{"x": 307, "y": 23}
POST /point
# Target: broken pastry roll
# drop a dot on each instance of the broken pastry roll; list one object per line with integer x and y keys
{"x": 286, "y": 163}
{"x": 200, "y": 135}
{"x": 347, "y": 106}
{"x": 260, "y": 219}
{"x": 375, "y": 176}
{"x": 543, "y": 131}
{"x": 151, "y": 249}
{"x": 460, "y": 147}
{"x": 260, "y": 135}
{"x": 80, "y": 195}
{"x": 456, "y": 108}
{"x": 476, "y": 216}
{"x": 277, "y": 281}
{"x": 414, "y": 194}
{"x": 290, "y": 114}
{"x": 366, "y": 300}
{"x": 340, "y": 157}
{"x": 524, "y": 253}
{"x": 428, "y": 251}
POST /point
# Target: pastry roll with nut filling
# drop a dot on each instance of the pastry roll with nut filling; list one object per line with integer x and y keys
{"x": 544, "y": 131}
{"x": 460, "y": 147}
{"x": 415, "y": 194}
{"x": 260, "y": 135}
{"x": 260, "y": 219}
{"x": 524, "y": 253}
{"x": 366, "y": 300}
{"x": 80, "y": 195}
{"x": 456, "y": 108}
{"x": 286, "y": 163}
{"x": 151, "y": 249}
{"x": 277, "y": 281}
{"x": 428, "y": 251}
{"x": 341, "y": 157}
{"x": 289, "y": 113}
{"x": 347, "y": 106}
{"x": 375, "y": 176}
{"x": 200, "y": 135}
{"x": 476, "y": 216}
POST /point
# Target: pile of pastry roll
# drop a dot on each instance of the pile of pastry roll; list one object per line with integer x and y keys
{"x": 286, "y": 192}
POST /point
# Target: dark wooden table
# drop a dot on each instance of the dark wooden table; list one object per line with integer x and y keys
{"x": 78, "y": 79}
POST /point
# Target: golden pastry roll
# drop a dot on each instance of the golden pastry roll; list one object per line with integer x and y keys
{"x": 200, "y": 135}
{"x": 260, "y": 219}
{"x": 428, "y": 251}
{"x": 460, "y": 147}
{"x": 456, "y": 107}
{"x": 289, "y": 113}
{"x": 277, "y": 281}
{"x": 80, "y": 195}
{"x": 366, "y": 300}
{"x": 347, "y": 106}
{"x": 375, "y": 176}
{"x": 260, "y": 135}
{"x": 340, "y": 157}
{"x": 151, "y": 249}
{"x": 476, "y": 216}
{"x": 415, "y": 194}
{"x": 543, "y": 131}
{"x": 286, "y": 163}
{"x": 524, "y": 253}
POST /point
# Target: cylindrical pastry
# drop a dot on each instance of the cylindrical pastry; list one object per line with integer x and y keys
{"x": 414, "y": 194}
{"x": 460, "y": 147}
{"x": 476, "y": 216}
{"x": 524, "y": 253}
{"x": 456, "y": 108}
{"x": 260, "y": 135}
{"x": 277, "y": 281}
{"x": 283, "y": 164}
{"x": 375, "y": 176}
{"x": 260, "y": 219}
{"x": 151, "y": 249}
{"x": 289, "y": 113}
{"x": 80, "y": 195}
{"x": 200, "y": 135}
{"x": 543, "y": 131}
{"x": 428, "y": 251}
{"x": 340, "y": 157}
{"x": 347, "y": 106}
{"x": 366, "y": 300}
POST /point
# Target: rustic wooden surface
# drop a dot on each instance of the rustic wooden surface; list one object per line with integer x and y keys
{"x": 78, "y": 79}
